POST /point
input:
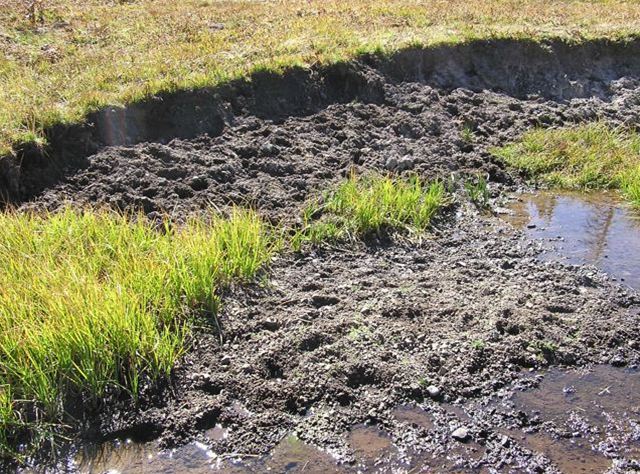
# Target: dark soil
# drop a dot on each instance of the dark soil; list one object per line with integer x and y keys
{"x": 344, "y": 335}
{"x": 276, "y": 166}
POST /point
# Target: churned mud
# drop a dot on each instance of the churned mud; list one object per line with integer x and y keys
{"x": 396, "y": 355}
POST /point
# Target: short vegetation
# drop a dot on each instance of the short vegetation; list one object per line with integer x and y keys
{"x": 367, "y": 205}
{"x": 60, "y": 59}
{"x": 92, "y": 302}
{"x": 587, "y": 156}
{"x": 477, "y": 189}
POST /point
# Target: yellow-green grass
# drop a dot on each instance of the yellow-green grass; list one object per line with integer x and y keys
{"x": 73, "y": 56}
{"x": 586, "y": 156}
{"x": 94, "y": 301}
{"x": 366, "y": 205}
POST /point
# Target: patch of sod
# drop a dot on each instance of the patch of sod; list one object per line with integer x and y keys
{"x": 94, "y": 301}
{"x": 587, "y": 156}
{"x": 60, "y": 60}
{"x": 367, "y": 205}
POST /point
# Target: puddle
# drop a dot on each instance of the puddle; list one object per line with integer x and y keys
{"x": 596, "y": 227}
{"x": 603, "y": 389}
{"x": 291, "y": 455}
{"x": 599, "y": 409}
{"x": 413, "y": 416}
{"x": 130, "y": 458}
{"x": 370, "y": 445}
{"x": 569, "y": 456}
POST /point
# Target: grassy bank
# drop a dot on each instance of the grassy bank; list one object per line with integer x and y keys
{"x": 588, "y": 156}
{"x": 93, "y": 301}
{"x": 60, "y": 60}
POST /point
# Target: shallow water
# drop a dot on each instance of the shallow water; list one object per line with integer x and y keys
{"x": 291, "y": 455}
{"x": 601, "y": 406}
{"x": 597, "y": 409}
{"x": 587, "y": 228}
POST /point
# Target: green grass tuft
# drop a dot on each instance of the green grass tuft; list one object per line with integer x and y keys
{"x": 94, "y": 301}
{"x": 362, "y": 206}
{"x": 478, "y": 190}
{"x": 587, "y": 156}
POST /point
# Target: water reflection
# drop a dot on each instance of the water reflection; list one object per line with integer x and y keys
{"x": 129, "y": 458}
{"x": 596, "y": 229}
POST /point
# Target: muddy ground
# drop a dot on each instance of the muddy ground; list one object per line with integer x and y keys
{"x": 344, "y": 335}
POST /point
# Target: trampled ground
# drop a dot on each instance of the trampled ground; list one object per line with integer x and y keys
{"x": 343, "y": 335}
{"x": 250, "y": 104}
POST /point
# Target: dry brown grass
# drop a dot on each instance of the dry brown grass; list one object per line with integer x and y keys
{"x": 61, "y": 59}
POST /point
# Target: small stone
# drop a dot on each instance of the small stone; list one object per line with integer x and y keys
{"x": 433, "y": 391}
{"x": 461, "y": 434}
{"x": 269, "y": 149}
{"x": 226, "y": 360}
{"x": 391, "y": 164}
{"x": 405, "y": 163}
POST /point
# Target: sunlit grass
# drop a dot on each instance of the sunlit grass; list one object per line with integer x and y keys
{"x": 94, "y": 301}
{"x": 366, "y": 205}
{"x": 587, "y": 156}
{"x": 74, "y": 56}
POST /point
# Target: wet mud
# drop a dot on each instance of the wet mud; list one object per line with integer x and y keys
{"x": 386, "y": 356}
{"x": 560, "y": 420}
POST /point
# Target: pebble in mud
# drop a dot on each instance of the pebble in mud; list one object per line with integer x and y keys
{"x": 460, "y": 434}
{"x": 434, "y": 391}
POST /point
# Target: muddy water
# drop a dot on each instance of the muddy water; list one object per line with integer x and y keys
{"x": 594, "y": 416}
{"x": 594, "y": 228}
{"x": 291, "y": 455}
{"x": 586, "y": 421}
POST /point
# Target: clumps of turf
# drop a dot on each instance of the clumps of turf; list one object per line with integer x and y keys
{"x": 94, "y": 301}
{"x": 587, "y": 156}
{"x": 366, "y": 205}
